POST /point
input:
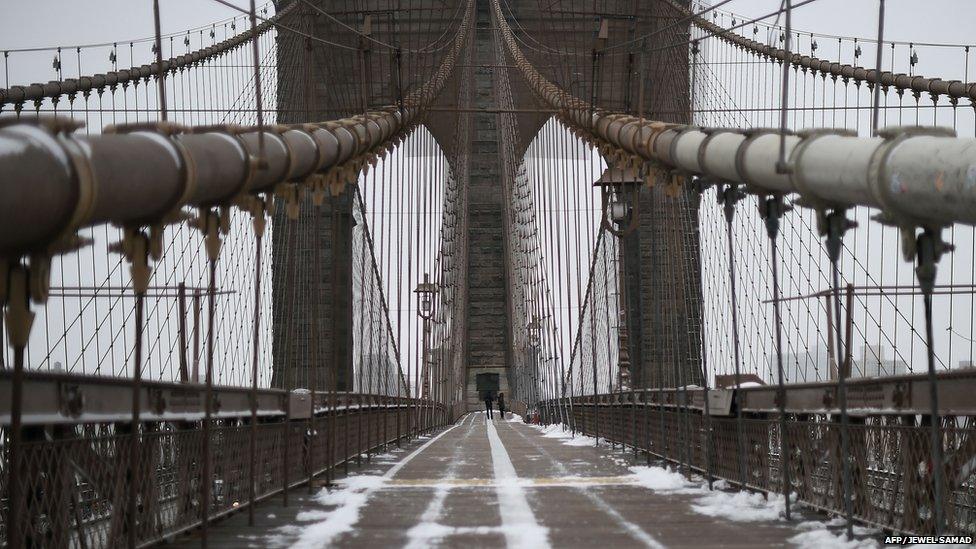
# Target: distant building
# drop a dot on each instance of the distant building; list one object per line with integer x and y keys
{"x": 802, "y": 367}
{"x": 874, "y": 363}
{"x": 896, "y": 367}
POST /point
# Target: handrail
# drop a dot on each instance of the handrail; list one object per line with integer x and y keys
{"x": 69, "y": 398}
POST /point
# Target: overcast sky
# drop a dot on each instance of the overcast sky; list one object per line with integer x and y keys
{"x": 57, "y": 22}
{"x": 43, "y": 23}
{"x": 944, "y": 21}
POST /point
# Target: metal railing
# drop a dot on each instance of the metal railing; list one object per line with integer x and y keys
{"x": 76, "y": 466}
{"x": 890, "y": 462}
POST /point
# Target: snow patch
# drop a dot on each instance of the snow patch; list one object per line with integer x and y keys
{"x": 739, "y": 506}
{"x": 818, "y": 536}
{"x": 425, "y": 533}
{"x": 661, "y": 479}
{"x": 349, "y": 499}
{"x": 553, "y": 431}
{"x": 559, "y": 431}
{"x": 580, "y": 440}
{"x": 348, "y": 485}
{"x": 818, "y": 525}
{"x": 308, "y": 516}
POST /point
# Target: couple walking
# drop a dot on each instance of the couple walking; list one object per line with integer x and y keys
{"x": 489, "y": 399}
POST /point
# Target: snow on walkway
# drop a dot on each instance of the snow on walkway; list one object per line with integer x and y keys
{"x": 353, "y": 495}
{"x": 733, "y": 505}
{"x": 508, "y": 484}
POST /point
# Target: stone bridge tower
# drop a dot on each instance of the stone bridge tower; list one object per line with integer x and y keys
{"x": 663, "y": 315}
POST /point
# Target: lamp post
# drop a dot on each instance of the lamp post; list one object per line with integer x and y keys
{"x": 620, "y": 189}
{"x": 534, "y": 328}
{"x": 425, "y": 308}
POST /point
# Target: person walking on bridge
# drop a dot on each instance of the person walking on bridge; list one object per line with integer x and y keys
{"x": 488, "y": 402}
{"x": 501, "y": 405}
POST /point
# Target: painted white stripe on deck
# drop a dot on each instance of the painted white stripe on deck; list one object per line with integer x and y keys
{"x": 344, "y": 518}
{"x": 428, "y": 532}
{"x": 635, "y": 531}
{"x": 396, "y": 468}
{"x": 518, "y": 521}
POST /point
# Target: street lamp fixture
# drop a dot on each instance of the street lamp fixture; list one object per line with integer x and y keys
{"x": 425, "y": 297}
{"x": 535, "y": 329}
{"x": 617, "y": 185}
{"x": 425, "y": 309}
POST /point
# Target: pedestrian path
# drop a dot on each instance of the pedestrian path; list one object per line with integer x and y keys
{"x": 503, "y": 483}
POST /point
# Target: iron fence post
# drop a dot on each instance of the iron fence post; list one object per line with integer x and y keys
{"x": 258, "y": 225}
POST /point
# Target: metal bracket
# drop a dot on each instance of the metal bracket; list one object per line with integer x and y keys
{"x": 136, "y": 246}
{"x": 728, "y": 194}
{"x": 18, "y": 316}
{"x": 771, "y": 209}
{"x": 71, "y": 400}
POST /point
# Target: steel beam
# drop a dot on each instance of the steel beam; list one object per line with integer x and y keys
{"x": 61, "y": 398}
{"x": 890, "y": 395}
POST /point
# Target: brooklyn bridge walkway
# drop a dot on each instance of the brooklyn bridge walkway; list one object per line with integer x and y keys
{"x": 505, "y": 483}
{"x": 242, "y": 251}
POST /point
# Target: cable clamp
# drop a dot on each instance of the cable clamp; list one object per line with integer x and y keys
{"x": 15, "y": 295}
{"x": 317, "y": 184}
{"x": 290, "y": 195}
{"x": 135, "y": 246}
{"x": 752, "y": 135}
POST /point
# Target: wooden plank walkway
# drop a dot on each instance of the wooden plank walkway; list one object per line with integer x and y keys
{"x": 498, "y": 484}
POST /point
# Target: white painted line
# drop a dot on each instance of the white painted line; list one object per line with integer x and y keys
{"x": 350, "y": 501}
{"x": 396, "y": 468}
{"x": 635, "y": 531}
{"x": 428, "y": 533}
{"x": 518, "y": 521}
